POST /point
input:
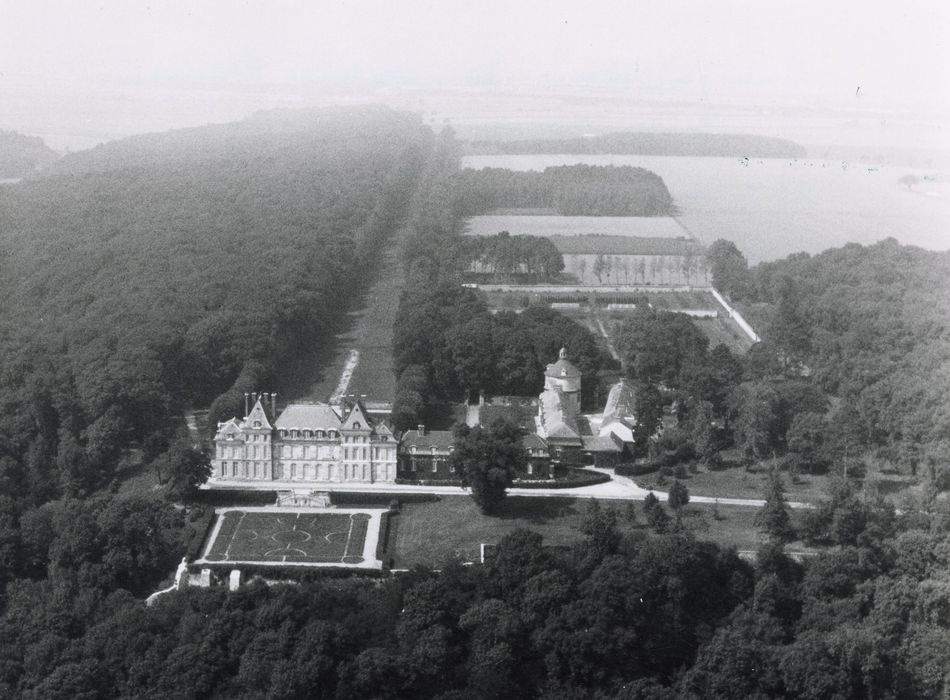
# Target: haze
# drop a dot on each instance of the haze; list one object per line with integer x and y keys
{"x": 78, "y": 73}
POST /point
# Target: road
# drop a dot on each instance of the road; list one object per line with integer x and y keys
{"x": 618, "y": 488}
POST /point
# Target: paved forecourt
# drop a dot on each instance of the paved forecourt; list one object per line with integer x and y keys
{"x": 288, "y": 536}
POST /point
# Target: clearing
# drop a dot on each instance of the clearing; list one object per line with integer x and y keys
{"x": 365, "y": 352}
{"x": 461, "y": 527}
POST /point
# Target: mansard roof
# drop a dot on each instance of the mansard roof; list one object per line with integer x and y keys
{"x": 563, "y": 367}
{"x": 440, "y": 439}
{"x": 308, "y": 416}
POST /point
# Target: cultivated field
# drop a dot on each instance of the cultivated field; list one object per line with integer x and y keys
{"x": 287, "y": 536}
{"x": 517, "y": 224}
{"x": 772, "y": 208}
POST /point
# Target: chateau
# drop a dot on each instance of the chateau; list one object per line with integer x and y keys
{"x": 307, "y": 442}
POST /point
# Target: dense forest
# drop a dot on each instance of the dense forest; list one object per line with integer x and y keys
{"x": 643, "y": 615}
{"x": 186, "y": 278}
{"x": 181, "y": 274}
{"x": 869, "y": 326}
{"x": 651, "y": 144}
{"x": 569, "y": 190}
{"x": 22, "y": 155}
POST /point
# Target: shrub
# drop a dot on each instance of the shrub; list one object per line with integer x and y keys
{"x": 678, "y": 496}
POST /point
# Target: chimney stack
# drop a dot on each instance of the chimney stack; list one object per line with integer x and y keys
{"x": 422, "y": 429}
{"x": 273, "y": 405}
{"x": 247, "y": 408}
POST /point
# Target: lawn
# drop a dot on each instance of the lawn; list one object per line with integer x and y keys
{"x": 313, "y": 538}
{"x": 370, "y": 332}
{"x": 736, "y": 482}
{"x": 462, "y": 528}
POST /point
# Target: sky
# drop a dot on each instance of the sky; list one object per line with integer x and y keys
{"x": 58, "y": 56}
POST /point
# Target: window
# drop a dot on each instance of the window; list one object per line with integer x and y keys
{"x": 435, "y": 466}
{"x": 356, "y": 426}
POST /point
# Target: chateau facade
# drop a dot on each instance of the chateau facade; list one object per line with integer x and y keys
{"x": 308, "y": 442}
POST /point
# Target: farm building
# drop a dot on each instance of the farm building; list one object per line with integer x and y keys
{"x": 629, "y": 260}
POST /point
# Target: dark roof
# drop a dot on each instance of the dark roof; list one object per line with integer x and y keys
{"x": 308, "y": 416}
{"x": 440, "y": 439}
{"x": 562, "y": 368}
{"x": 624, "y": 245}
{"x": 596, "y": 443}
{"x": 533, "y": 441}
{"x": 522, "y": 415}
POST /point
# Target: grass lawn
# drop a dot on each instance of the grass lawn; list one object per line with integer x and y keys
{"x": 736, "y": 482}
{"x": 290, "y": 537}
{"x": 461, "y": 527}
{"x": 371, "y": 333}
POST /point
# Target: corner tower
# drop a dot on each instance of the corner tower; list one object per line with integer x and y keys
{"x": 564, "y": 377}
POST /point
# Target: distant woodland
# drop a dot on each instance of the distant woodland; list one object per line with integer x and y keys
{"x": 650, "y": 144}
{"x": 570, "y": 190}
{"x": 22, "y": 155}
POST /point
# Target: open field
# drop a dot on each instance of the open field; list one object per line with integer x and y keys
{"x": 286, "y": 536}
{"x": 371, "y": 333}
{"x": 774, "y": 207}
{"x": 553, "y": 225}
{"x": 462, "y": 527}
